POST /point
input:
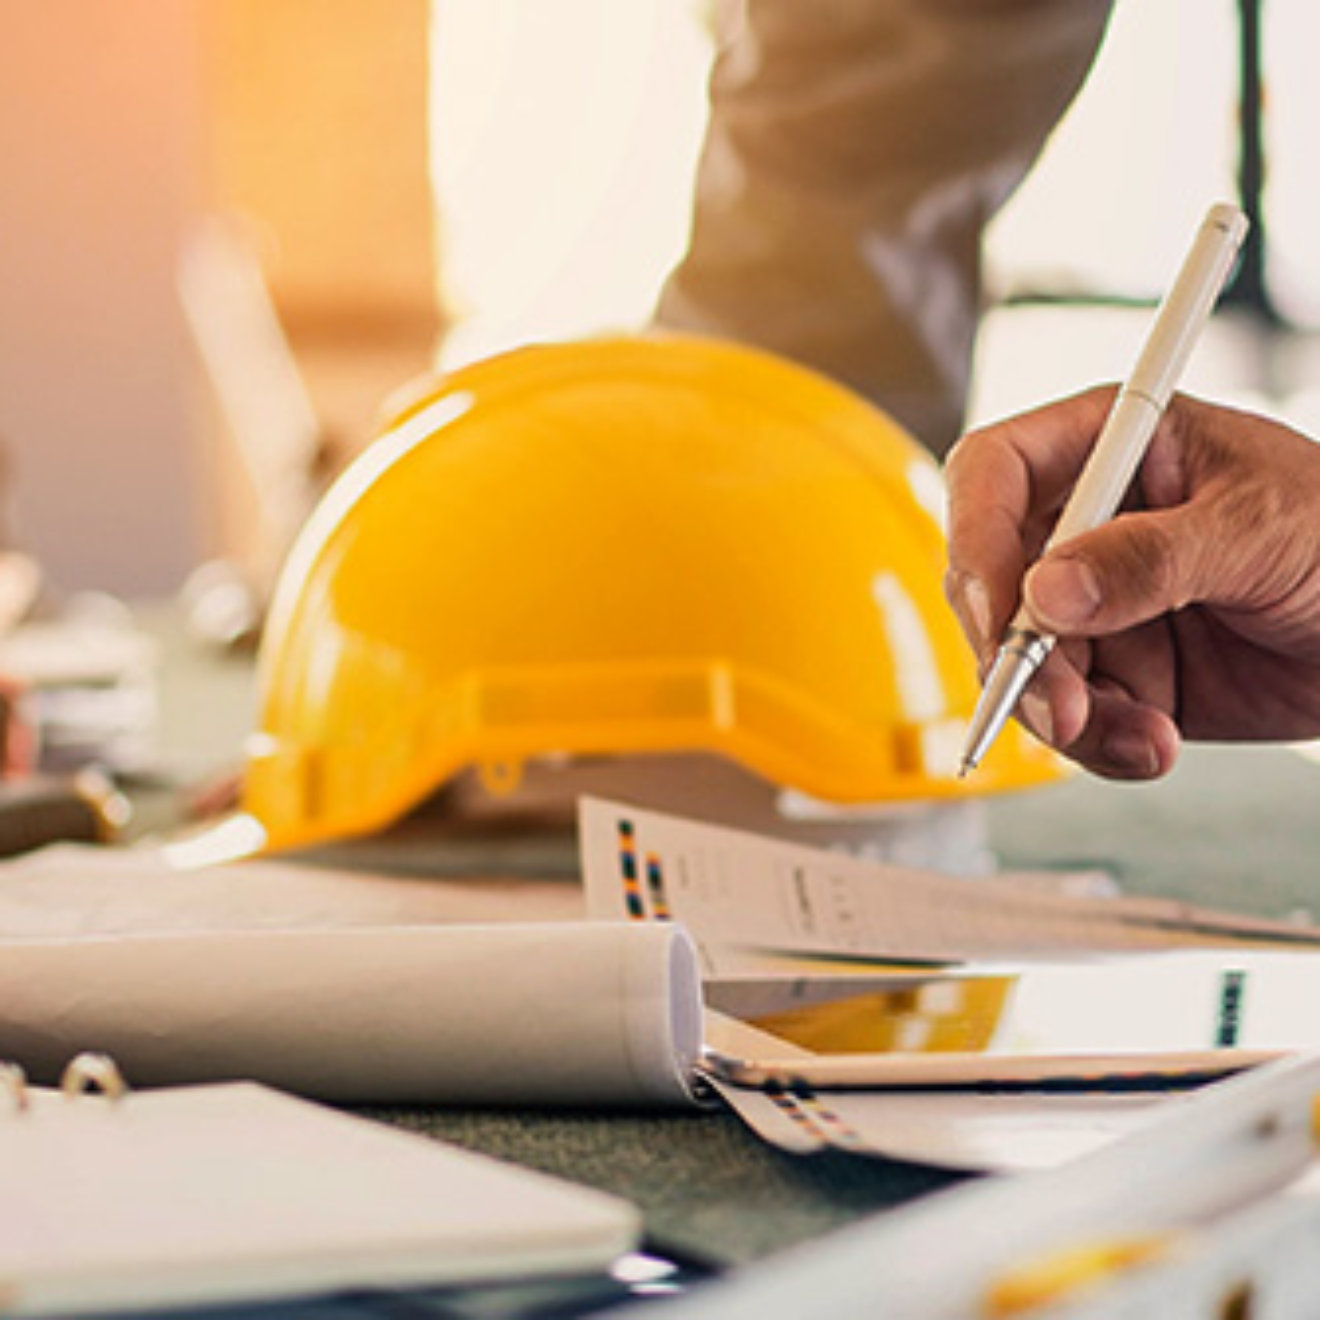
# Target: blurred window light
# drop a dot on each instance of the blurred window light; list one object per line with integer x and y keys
{"x": 1290, "y": 35}
{"x": 1149, "y": 143}
{"x": 1153, "y": 138}
{"x": 565, "y": 135}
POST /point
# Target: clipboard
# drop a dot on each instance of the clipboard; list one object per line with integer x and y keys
{"x": 193, "y": 1196}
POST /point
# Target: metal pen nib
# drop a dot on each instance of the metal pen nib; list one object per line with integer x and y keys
{"x": 1021, "y": 654}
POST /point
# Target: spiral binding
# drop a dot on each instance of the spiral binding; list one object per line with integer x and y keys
{"x": 90, "y": 1071}
{"x": 13, "y": 1084}
{"x": 85, "y": 1072}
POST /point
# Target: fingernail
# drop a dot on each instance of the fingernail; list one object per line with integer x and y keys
{"x": 1062, "y": 593}
{"x": 1131, "y": 753}
{"x": 1035, "y": 713}
{"x": 971, "y": 602}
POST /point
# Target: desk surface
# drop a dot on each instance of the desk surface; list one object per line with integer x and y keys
{"x": 1235, "y": 827}
{"x": 1232, "y": 827}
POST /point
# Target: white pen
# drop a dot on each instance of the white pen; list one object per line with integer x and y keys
{"x": 1117, "y": 453}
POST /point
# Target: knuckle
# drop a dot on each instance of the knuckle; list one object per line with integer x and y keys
{"x": 1139, "y": 565}
{"x": 956, "y": 460}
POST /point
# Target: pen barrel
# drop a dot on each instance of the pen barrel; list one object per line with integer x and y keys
{"x": 1136, "y": 413}
{"x": 1112, "y": 465}
{"x": 1187, "y": 305}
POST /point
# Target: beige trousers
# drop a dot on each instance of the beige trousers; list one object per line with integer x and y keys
{"x": 855, "y": 152}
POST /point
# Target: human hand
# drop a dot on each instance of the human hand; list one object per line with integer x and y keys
{"x": 1195, "y": 613}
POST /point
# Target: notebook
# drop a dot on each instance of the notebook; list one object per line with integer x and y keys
{"x": 222, "y": 1193}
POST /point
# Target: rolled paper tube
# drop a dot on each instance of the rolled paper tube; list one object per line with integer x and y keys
{"x": 597, "y": 1013}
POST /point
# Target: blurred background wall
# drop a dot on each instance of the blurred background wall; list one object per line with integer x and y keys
{"x": 125, "y": 125}
{"x": 425, "y": 180}
{"x": 100, "y": 175}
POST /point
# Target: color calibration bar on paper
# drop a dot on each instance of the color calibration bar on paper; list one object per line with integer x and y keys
{"x": 644, "y": 894}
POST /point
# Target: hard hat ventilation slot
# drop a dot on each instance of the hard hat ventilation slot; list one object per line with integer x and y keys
{"x": 501, "y": 777}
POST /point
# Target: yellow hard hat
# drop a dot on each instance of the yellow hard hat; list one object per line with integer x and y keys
{"x": 627, "y": 546}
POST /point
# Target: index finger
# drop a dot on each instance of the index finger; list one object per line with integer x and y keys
{"x": 1006, "y": 485}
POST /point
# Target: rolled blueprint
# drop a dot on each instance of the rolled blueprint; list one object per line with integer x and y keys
{"x": 600, "y": 1013}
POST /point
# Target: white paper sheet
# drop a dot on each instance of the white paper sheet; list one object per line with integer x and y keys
{"x": 1009, "y": 1133}
{"x": 568, "y": 1013}
{"x": 961, "y": 1129}
{"x": 757, "y": 905}
{"x": 72, "y": 890}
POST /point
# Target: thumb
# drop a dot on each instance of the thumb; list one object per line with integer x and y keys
{"x": 1131, "y": 570}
